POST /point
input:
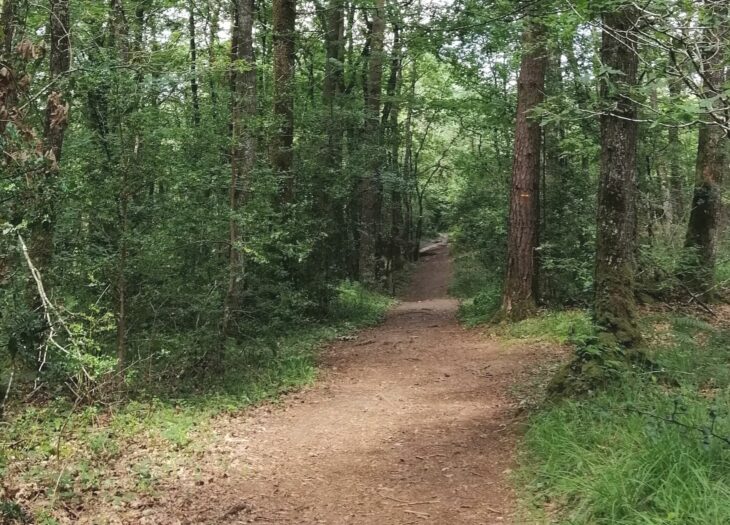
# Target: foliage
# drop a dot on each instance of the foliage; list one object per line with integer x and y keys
{"x": 77, "y": 445}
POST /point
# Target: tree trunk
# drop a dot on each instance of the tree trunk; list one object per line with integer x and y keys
{"x": 410, "y": 241}
{"x": 193, "y": 65}
{"x": 332, "y": 207}
{"x": 518, "y": 300}
{"x": 615, "y": 305}
{"x": 56, "y": 121}
{"x": 213, "y": 14}
{"x": 391, "y": 109}
{"x": 281, "y": 153}
{"x": 243, "y": 153}
{"x": 368, "y": 187}
{"x": 712, "y": 160}
{"x": 7, "y": 27}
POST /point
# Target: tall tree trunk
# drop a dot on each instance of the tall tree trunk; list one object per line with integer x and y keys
{"x": 615, "y": 305}
{"x": 193, "y": 64}
{"x": 122, "y": 46}
{"x": 389, "y": 120}
{"x": 56, "y": 121}
{"x": 332, "y": 207}
{"x": 712, "y": 158}
{"x": 518, "y": 300}
{"x": 282, "y": 154}
{"x": 7, "y": 27}
{"x": 409, "y": 183}
{"x": 7, "y": 80}
{"x": 368, "y": 187}
{"x": 243, "y": 153}
{"x": 213, "y": 13}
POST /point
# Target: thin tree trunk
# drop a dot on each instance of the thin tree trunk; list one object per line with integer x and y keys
{"x": 121, "y": 284}
{"x": 281, "y": 153}
{"x": 518, "y": 300}
{"x": 7, "y": 27}
{"x": 411, "y": 243}
{"x": 56, "y": 121}
{"x": 243, "y": 154}
{"x": 333, "y": 209}
{"x": 193, "y": 65}
{"x": 615, "y": 305}
{"x": 120, "y": 35}
{"x": 368, "y": 190}
{"x": 712, "y": 160}
{"x": 212, "y": 16}
{"x": 390, "y": 120}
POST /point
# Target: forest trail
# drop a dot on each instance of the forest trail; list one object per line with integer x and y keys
{"x": 411, "y": 422}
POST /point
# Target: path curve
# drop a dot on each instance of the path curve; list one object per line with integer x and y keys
{"x": 411, "y": 422}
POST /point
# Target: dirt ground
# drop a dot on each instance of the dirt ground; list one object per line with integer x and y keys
{"x": 410, "y": 422}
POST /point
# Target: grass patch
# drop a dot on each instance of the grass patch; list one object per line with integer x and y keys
{"x": 641, "y": 452}
{"x": 551, "y": 326}
{"x": 56, "y": 452}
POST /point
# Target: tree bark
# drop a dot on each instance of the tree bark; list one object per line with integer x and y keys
{"x": 193, "y": 65}
{"x": 518, "y": 300}
{"x": 389, "y": 121}
{"x": 712, "y": 159}
{"x": 56, "y": 122}
{"x": 243, "y": 153}
{"x": 7, "y": 27}
{"x": 368, "y": 187}
{"x": 332, "y": 207}
{"x": 615, "y": 305}
{"x": 281, "y": 152}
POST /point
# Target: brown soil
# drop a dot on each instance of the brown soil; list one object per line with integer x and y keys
{"x": 411, "y": 422}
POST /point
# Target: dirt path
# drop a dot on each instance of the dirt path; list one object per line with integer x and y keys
{"x": 411, "y": 423}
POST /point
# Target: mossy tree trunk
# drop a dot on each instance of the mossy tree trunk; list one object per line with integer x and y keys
{"x": 518, "y": 300}
{"x": 712, "y": 158}
{"x": 615, "y": 305}
{"x": 243, "y": 155}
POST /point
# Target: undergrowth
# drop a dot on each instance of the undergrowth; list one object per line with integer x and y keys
{"x": 643, "y": 451}
{"x": 53, "y": 452}
{"x": 478, "y": 289}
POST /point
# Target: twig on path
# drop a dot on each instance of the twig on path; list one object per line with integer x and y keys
{"x": 422, "y": 515}
{"x": 364, "y": 343}
{"x": 697, "y": 299}
{"x": 405, "y": 503}
{"x": 431, "y": 456}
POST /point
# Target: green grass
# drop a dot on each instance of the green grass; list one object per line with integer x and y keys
{"x": 552, "y": 326}
{"x": 612, "y": 459}
{"x": 66, "y": 451}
